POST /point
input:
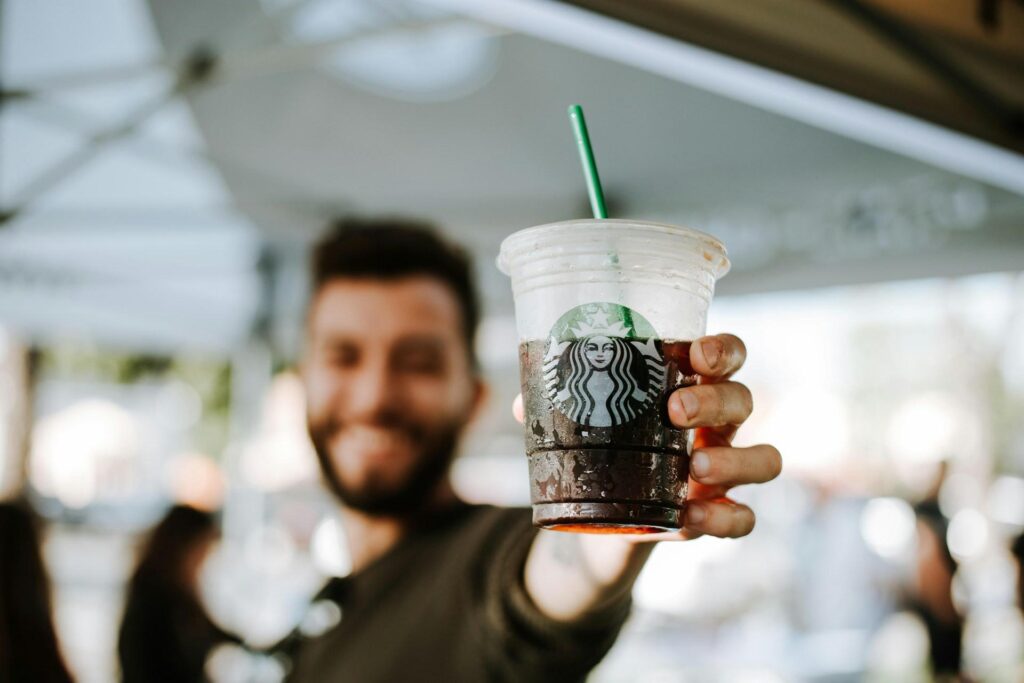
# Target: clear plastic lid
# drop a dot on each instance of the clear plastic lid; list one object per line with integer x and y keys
{"x": 664, "y": 272}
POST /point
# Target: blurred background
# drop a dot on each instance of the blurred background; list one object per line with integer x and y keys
{"x": 165, "y": 166}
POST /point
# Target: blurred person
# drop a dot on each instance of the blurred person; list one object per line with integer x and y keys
{"x": 932, "y": 601}
{"x": 166, "y": 634}
{"x": 931, "y": 597}
{"x": 28, "y": 641}
{"x": 441, "y": 590}
{"x": 1018, "y": 553}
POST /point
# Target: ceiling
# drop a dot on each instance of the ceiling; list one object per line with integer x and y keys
{"x": 956, "y": 63}
{"x": 221, "y": 137}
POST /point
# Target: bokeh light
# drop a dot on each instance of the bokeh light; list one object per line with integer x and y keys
{"x": 810, "y": 426}
{"x": 197, "y": 480}
{"x": 280, "y": 454}
{"x": 888, "y": 527}
{"x": 1006, "y": 501}
{"x": 328, "y": 549}
{"x": 87, "y": 449}
{"x": 968, "y": 534}
{"x": 926, "y": 428}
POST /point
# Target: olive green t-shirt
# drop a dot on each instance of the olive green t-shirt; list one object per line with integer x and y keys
{"x": 448, "y": 604}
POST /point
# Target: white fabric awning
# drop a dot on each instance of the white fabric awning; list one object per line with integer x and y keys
{"x": 165, "y": 164}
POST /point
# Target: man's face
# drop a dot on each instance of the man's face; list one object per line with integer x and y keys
{"x": 389, "y": 388}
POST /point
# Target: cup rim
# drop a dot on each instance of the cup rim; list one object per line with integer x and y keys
{"x": 707, "y": 240}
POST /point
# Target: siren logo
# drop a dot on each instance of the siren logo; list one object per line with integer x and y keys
{"x": 601, "y": 367}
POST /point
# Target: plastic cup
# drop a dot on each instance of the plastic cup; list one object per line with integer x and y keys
{"x": 606, "y": 311}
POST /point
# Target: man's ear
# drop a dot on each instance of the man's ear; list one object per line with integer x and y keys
{"x": 480, "y": 398}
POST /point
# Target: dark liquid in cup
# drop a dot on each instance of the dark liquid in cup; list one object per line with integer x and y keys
{"x": 627, "y": 477}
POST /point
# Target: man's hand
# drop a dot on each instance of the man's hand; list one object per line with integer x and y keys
{"x": 716, "y": 407}
{"x": 604, "y": 567}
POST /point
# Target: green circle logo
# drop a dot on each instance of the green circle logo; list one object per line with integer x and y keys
{"x": 602, "y": 367}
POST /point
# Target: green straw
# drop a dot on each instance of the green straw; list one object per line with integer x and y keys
{"x": 579, "y": 128}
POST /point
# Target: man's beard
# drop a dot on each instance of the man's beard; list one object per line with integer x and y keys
{"x": 417, "y": 486}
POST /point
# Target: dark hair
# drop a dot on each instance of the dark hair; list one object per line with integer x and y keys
{"x": 1018, "y": 552}
{"x": 28, "y": 640}
{"x": 169, "y": 544}
{"x": 395, "y": 248}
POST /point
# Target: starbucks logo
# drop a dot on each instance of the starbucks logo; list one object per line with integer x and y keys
{"x": 601, "y": 367}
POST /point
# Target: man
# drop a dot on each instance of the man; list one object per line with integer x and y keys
{"x": 440, "y": 590}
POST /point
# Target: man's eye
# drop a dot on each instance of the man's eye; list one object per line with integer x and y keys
{"x": 420, "y": 362}
{"x": 343, "y": 356}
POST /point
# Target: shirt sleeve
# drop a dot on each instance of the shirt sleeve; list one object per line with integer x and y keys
{"x": 521, "y": 642}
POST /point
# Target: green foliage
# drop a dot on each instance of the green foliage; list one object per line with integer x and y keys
{"x": 209, "y": 376}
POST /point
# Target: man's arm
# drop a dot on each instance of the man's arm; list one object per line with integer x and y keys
{"x": 571, "y": 575}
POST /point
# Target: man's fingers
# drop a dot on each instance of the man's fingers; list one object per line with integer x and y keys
{"x": 517, "y": 408}
{"x": 723, "y": 518}
{"x": 710, "y": 405}
{"x": 698, "y": 491}
{"x": 735, "y": 466}
{"x": 717, "y": 356}
{"x": 705, "y": 437}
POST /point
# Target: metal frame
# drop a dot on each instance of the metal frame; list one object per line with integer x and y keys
{"x": 757, "y": 86}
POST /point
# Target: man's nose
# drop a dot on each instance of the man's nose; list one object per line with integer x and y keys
{"x": 373, "y": 392}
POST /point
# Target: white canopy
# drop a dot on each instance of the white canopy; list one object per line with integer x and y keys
{"x": 165, "y": 165}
